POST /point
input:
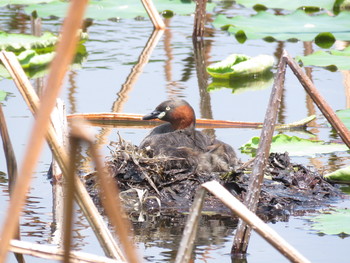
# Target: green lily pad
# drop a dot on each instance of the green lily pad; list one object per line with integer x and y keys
{"x": 20, "y": 42}
{"x": 240, "y": 65}
{"x": 23, "y": 2}
{"x": 3, "y": 95}
{"x": 334, "y": 223}
{"x": 289, "y": 5}
{"x": 344, "y": 115}
{"x": 340, "y": 175}
{"x": 294, "y": 145}
{"x": 105, "y": 9}
{"x": 335, "y": 58}
{"x": 297, "y": 25}
{"x": 243, "y": 84}
{"x": 35, "y": 64}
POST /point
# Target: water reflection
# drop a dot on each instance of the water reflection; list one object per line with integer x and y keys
{"x": 165, "y": 231}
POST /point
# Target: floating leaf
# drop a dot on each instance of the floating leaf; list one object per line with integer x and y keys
{"x": 334, "y": 223}
{"x": 340, "y": 175}
{"x": 287, "y": 4}
{"x": 297, "y": 25}
{"x": 344, "y": 116}
{"x": 242, "y": 84}
{"x": 35, "y": 64}
{"x": 335, "y": 58}
{"x": 20, "y": 42}
{"x": 105, "y": 9}
{"x": 240, "y": 65}
{"x": 3, "y": 95}
{"x": 325, "y": 40}
{"x": 23, "y": 2}
{"x": 295, "y": 146}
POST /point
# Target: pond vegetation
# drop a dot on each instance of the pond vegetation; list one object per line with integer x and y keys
{"x": 244, "y": 27}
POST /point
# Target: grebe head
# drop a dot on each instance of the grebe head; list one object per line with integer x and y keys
{"x": 178, "y": 112}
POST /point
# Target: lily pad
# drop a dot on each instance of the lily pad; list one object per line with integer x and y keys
{"x": 297, "y": 25}
{"x": 20, "y": 42}
{"x": 344, "y": 115}
{"x": 35, "y": 64}
{"x": 289, "y": 5}
{"x": 335, "y": 58}
{"x": 334, "y": 223}
{"x": 340, "y": 175}
{"x": 105, "y": 9}
{"x": 23, "y": 2}
{"x": 243, "y": 84}
{"x": 3, "y": 95}
{"x": 240, "y": 65}
{"x": 294, "y": 145}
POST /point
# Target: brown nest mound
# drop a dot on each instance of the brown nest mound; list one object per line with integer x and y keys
{"x": 171, "y": 183}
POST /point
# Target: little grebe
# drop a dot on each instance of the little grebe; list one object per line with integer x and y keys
{"x": 179, "y": 138}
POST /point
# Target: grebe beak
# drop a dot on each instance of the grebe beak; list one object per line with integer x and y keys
{"x": 153, "y": 115}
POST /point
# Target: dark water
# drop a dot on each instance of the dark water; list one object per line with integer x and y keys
{"x": 103, "y": 85}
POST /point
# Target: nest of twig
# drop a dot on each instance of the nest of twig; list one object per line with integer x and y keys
{"x": 167, "y": 182}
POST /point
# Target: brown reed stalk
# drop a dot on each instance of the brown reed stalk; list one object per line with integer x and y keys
{"x": 69, "y": 190}
{"x": 321, "y": 103}
{"x": 11, "y": 165}
{"x": 86, "y": 204}
{"x": 241, "y": 239}
{"x": 65, "y": 52}
{"x": 186, "y": 245}
{"x": 54, "y": 253}
{"x": 153, "y": 14}
{"x": 109, "y": 195}
{"x": 199, "y": 19}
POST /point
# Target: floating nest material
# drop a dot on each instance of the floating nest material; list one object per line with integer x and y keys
{"x": 163, "y": 183}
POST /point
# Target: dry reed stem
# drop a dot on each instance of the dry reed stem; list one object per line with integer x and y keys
{"x": 109, "y": 196}
{"x": 54, "y": 253}
{"x": 69, "y": 190}
{"x": 199, "y": 19}
{"x": 86, "y": 204}
{"x": 11, "y": 162}
{"x": 321, "y": 103}
{"x": 65, "y": 52}
{"x": 153, "y": 14}
{"x": 184, "y": 252}
{"x": 127, "y": 120}
{"x": 186, "y": 245}
{"x": 11, "y": 165}
{"x": 254, "y": 222}
{"x": 241, "y": 239}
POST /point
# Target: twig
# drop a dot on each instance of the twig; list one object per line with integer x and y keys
{"x": 241, "y": 239}
{"x": 65, "y": 51}
{"x": 321, "y": 103}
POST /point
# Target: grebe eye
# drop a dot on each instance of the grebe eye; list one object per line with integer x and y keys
{"x": 167, "y": 108}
